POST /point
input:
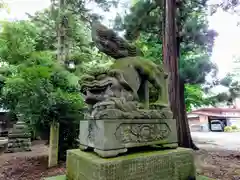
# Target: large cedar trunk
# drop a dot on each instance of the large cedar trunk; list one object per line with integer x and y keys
{"x": 171, "y": 48}
{"x": 184, "y": 135}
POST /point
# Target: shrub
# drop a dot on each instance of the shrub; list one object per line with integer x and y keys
{"x": 227, "y": 129}
{"x": 234, "y": 127}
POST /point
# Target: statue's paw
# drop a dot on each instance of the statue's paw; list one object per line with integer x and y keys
{"x": 140, "y": 105}
{"x": 168, "y": 114}
{"x": 158, "y": 105}
{"x": 109, "y": 114}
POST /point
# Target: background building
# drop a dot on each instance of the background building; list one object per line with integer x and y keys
{"x": 201, "y": 118}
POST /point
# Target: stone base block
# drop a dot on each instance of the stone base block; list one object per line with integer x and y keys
{"x": 19, "y": 135}
{"x": 174, "y": 164}
{"x": 3, "y": 145}
{"x": 63, "y": 177}
{"x": 111, "y": 137}
{"x": 19, "y": 145}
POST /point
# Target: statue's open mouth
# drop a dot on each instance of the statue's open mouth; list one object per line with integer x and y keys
{"x": 98, "y": 90}
{"x": 94, "y": 94}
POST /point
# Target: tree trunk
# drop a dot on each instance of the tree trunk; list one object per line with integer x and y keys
{"x": 176, "y": 89}
{"x": 170, "y": 58}
{"x": 61, "y": 57}
{"x": 184, "y": 133}
{"x": 62, "y": 34}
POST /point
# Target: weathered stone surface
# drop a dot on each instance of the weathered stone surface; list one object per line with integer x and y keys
{"x": 19, "y": 138}
{"x": 121, "y": 92}
{"x": 3, "y": 144}
{"x": 120, "y": 115}
{"x": 177, "y": 164}
{"x": 4, "y": 125}
{"x": 53, "y": 147}
{"x": 107, "y": 136}
{"x": 63, "y": 177}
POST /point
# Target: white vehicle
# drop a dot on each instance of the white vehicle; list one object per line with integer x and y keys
{"x": 217, "y": 125}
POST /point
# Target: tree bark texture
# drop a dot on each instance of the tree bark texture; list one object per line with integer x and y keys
{"x": 62, "y": 34}
{"x": 176, "y": 88}
{"x": 186, "y": 140}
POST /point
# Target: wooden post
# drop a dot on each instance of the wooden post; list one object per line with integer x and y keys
{"x": 53, "y": 146}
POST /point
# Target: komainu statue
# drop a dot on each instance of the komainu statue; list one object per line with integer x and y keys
{"x": 117, "y": 93}
{"x": 119, "y": 114}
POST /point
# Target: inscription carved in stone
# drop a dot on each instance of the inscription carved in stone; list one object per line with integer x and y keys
{"x": 138, "y": 133}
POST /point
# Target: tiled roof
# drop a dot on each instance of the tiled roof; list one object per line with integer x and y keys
{"x": 217, "y": 110}
{"x": 213, "y": 114}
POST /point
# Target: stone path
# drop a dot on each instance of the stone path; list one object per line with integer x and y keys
{"x": 220, "y": 140}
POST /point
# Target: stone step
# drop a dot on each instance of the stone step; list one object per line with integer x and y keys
{"x": 19, "y": 135}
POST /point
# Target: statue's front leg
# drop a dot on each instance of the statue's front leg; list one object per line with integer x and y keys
{"x": 163, "y": 100}
{"x": 160, "y": 103}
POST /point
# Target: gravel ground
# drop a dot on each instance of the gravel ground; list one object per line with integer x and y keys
{"x": 210, "y": 161}
{"x": 28, "y": 165}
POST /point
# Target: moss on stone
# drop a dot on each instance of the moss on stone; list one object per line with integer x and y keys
{"x": 152, "y": 152}
{"x": 147, "y": 70}
{"x": 163, "y": 164}
{"x": 136, "y": 61}
{"x": 203, "y": 178}
{"x": 61, "y": 177}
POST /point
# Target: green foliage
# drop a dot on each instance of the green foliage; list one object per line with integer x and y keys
{"x": 35, "y": 85}
{"x": 233, "y": 90}
{"x": 151, "y": 46}
{"x": 227, "y": 80}
{"x": 43, "y": 93}
{"x": 4, "y": 6}
{"x": 232, "y": 128}
{"x": 227, "y": 129}
{"x": 17, "y": 41}
{"x": 78, "y": 34}
{"x": 194, "y": 97}
{"x": 196, "y": 40}
{"x": 231, "y": 6}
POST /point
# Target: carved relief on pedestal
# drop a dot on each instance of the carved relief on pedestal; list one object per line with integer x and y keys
{"x": 140, "y": 133}
{"x": 92, "y": 131}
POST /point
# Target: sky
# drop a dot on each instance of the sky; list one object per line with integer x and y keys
{"x": 226, "y": 45}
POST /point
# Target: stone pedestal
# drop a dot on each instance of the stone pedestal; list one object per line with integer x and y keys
{"x": 110, "y": 137}
{"x": 3, "y": 125}
{"x": 53, "y": 145}
{"x": 3, "y": 144}
{"x": 19, "y": 138}
{"x": 175, "y": 164}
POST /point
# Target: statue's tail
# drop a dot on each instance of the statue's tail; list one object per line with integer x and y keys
{"x": 108, "y": 42}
